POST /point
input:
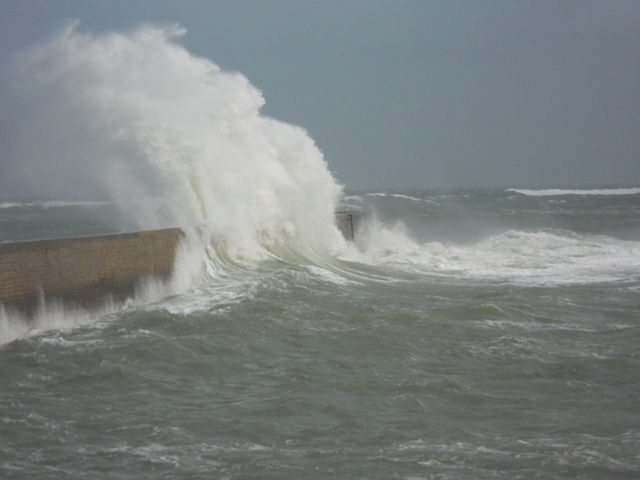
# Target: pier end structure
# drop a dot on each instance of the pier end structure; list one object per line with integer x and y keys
{"x": 349, "y": 222}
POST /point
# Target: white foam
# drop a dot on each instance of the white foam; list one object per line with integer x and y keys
{"x": 559, "y": 192}
{"x": 525, "y": 258}
{"x": 10, "y": 205}
{"x": 47, "y": 316}
{"x": 135, "y": 115}
{"x": 400, "y": 196}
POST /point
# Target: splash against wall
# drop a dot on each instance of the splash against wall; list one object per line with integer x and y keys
{"x": 136, "y": 119}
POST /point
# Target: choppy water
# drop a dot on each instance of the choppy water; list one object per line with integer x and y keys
{"x": 469, "y": 334}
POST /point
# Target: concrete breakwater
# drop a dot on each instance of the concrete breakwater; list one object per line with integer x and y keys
{"x": 87, "y": 271}
{"x": 83, "y": 271}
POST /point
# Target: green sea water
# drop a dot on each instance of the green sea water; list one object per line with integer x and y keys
{"x": 486, "y": 334}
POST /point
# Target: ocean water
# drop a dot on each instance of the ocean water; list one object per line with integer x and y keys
{"x": 476, "y": 333}
{"x": 466, "y": 334}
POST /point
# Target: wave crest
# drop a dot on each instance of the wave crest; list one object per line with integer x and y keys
{"x": 130, "y": 116}
{"x": 558, "y": 191}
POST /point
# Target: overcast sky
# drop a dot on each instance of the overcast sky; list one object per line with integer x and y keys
{"x": 414, "y": 93}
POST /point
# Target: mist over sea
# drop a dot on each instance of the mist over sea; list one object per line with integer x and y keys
{"x": 471, "y": 333}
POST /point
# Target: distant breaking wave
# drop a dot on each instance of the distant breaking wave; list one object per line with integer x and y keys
{"x": 51, "y": 204}
{"x": 557, "y": 192}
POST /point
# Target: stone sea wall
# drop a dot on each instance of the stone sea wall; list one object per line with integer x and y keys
{"x": 83, "y": 271}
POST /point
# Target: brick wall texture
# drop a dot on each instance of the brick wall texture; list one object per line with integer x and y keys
{"x": 83, "y": 271}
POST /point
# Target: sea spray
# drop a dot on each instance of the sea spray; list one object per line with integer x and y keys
{"x": 169, "y": 137}
{"x": 135, "y": 121}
